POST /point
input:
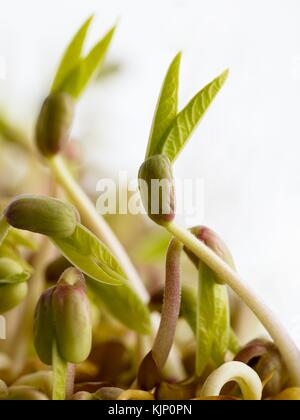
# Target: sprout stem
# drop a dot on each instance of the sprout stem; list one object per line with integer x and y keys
{"x": 289, "y": 351}
{"x": 70, "y": 380}
{"x": 150, "y": 370}
{"x": 60, "y": 368}
{"x": 171, "y": 306}
{"x": 246, "y": 377}
{"x": 96, "y": 222}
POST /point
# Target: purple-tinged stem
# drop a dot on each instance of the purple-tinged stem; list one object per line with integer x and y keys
{"x": 150, "y": 370}
{"x": 171, "y": 306}
{"x": 70, "y": 380}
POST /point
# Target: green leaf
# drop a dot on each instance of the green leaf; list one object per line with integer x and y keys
{"x": 71, "y": 57}
{"x": 87, "y": 67}
{"x": 188, "y": 311}
{"x": 124, "y": 304}
{"x": 213, "y": 323}
{"x": 186, "y": 121}
{"x": 86, "y": 252}
{"x": 166, "y": 108}
{"x": 188, "y": 308}
{"x": 221, "y": 325}
{"x": 15, "y": 278}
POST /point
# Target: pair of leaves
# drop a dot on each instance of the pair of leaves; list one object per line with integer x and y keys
{"x": 86, "y": 252}
{"x": 171, "y": 130}
{"x": 166, "y": 108}
{"x": 75, "y": 71}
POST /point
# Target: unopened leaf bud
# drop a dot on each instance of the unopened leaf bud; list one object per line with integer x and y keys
{"x": 63, "y": 314}
{"x": 156, "y": 185}
{"x": 41, "y": 214}
{"x": 72, "y": 318}
{"x": 54, "y": 123}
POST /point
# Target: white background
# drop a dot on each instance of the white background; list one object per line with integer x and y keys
{"x": 246, "y": 148}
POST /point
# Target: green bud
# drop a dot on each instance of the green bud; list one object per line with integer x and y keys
{"x": 43, "y": 329}
{"x": 156, "y": 186}
{"x": 72, "y": 318}
{"x": 41, "y": 214}
{"x": 54, "y": 123}
{"x": 11, "y": 294}
{"x": 63, "y": 314}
